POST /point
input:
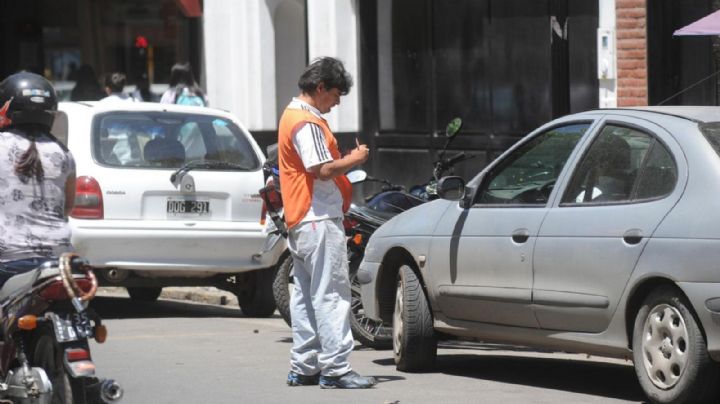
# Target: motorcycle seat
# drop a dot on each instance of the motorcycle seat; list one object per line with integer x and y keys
{"x": 23, "y": 282}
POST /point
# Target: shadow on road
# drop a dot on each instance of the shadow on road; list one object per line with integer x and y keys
{"x": 608, "y": 380}
{"x": 120, "y": 308}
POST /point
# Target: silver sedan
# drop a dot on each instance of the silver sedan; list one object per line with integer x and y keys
{"x": 599, "y": 233}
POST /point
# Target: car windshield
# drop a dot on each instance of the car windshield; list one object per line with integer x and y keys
{"x": 169, "y": 140}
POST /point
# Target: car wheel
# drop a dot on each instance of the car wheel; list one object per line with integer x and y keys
{"x": 372, "y": 334}
{"x": 282, "y": 288}
{"x": 261, "y": 302}
{"x": 144, "y": 294}
{"x": 670, "y": 353}
{"x": 414, "y": 342}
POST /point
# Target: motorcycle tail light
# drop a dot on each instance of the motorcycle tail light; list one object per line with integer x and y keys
{"x": 77, "y": 354}
{"x": 88, "y": 199}
{"x": 56, "y": 290}
{"x": 27, "y": 322}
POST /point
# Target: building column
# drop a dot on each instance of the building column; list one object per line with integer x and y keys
{"x": 239, "y": 44}
{"x": 333, "y": 31}
{"x": 607, "y": 55}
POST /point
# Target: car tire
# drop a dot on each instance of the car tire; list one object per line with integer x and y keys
{"x": 144, "y": 294}
{"x": 282, "y": 285}
{"x": 670, "y": 352}
{"x": 261, "y": 303}
{"x": 414, "y": 341}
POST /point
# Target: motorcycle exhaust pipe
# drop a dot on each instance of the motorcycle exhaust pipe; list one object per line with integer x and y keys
{"x": 110, "y": 391}
{"x": 106, "y": 391}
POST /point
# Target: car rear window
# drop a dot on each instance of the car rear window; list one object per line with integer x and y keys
{"x": 169, "y": 140}
{"x": 711, "y": 130}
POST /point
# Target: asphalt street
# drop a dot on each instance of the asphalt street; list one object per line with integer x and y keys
{"x": 174, "y": 351}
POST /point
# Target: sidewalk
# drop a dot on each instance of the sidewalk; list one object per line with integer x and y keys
{"x": 203, "y": 294}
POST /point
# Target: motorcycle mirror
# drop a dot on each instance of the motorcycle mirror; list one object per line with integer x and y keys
{"x": 356, "y": 176}
{"x": 453, "y": 127}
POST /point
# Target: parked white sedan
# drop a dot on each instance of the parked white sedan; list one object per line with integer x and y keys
{"x": 168, "y": 196}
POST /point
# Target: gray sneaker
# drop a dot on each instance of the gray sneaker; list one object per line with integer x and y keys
{"x": 350, "y": 380}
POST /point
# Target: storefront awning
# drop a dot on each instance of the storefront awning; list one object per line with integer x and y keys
{"x": 709, "y": 25}
{"x": 190, "y": 8}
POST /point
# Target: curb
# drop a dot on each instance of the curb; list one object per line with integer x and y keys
{"x": 206, "y": 295}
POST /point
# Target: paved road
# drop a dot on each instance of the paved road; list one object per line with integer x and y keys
{"x": 181, "y": 352}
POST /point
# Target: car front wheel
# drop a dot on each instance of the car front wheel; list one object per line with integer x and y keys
{"x": 414, "y": 342}
{"x": 670, "y": 352}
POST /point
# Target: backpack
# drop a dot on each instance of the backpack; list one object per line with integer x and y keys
{"x": 188, "y": 98}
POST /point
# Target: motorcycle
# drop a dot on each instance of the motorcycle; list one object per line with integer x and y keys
{"x": 359, "y": 222}
{"x": 46, "y": 323}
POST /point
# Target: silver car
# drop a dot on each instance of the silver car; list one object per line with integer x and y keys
{"x": 599, "y": 233}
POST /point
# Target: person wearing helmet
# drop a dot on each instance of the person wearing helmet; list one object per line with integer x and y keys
{"x": 37, "y": 177}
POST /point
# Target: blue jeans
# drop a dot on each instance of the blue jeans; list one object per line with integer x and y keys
{"x": 12, "y": 268}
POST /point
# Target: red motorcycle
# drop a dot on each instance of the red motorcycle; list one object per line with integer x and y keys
{"x": 46, "y": 325}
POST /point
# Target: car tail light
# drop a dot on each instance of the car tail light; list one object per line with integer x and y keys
{"x": 88, "y": 199}
{"x": 56, "y": 290}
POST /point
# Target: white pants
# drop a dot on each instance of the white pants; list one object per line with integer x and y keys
{"x": 320, "y": 302}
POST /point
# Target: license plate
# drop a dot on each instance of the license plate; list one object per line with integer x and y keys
{"x": 72, "y": 327}
{"x": 188, "y": 207}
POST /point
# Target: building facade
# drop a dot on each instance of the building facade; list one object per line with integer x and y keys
{"x": 503, "y": 66}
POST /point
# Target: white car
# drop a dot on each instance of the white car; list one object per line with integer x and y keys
{"x": 167, "y": 195}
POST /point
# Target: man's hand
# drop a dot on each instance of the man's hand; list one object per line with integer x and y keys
{"x": 334, "y": 168}
{"x": 359, "y": 154}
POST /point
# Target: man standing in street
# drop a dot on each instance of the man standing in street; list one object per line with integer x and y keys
{"x": 315, "y": 194}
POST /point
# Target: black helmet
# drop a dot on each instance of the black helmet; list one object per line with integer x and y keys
{"x": 30, "y": 98}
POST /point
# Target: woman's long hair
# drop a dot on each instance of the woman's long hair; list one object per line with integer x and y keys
{"x": 30, "y": 165}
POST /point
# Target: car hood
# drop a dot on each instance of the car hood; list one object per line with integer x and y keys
{"x": 418, "y": 221}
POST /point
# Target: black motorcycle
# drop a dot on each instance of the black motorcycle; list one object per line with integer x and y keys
{"x": 360, "y": 223}
{"x": 46, "y": 324}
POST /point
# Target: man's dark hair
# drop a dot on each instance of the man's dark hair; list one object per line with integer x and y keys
{"x": 115, "y": 82}
{"x": 327, "y": 70}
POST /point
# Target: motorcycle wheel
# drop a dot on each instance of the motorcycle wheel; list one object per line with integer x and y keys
{"x": 282, "y": 288}
{"x": 47, "y": 354}
{"x": 373, "y": 334}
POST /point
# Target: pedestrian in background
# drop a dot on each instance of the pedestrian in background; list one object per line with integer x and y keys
{"x": 86, "y": 85}
{"x": 142, "y": 91}
{"x": 114, "y": 86}
{"x": 315, "y": 195}
{"x": 183, "y": 90}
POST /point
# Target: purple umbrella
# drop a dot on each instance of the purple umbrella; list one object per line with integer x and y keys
{"x": 708, "y": 25}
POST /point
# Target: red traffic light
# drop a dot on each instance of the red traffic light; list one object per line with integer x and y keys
{"x": 141, "y": 42}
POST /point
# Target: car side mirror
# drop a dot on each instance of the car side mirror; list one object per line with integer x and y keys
{"x": 451, "y": 188}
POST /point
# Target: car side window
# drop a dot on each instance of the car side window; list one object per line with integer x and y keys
{"x": 621, "y": 165}
{"x": 528, "y": 174}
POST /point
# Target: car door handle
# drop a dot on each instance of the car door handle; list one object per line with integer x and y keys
{"x": 520, "y": 236}
{"x": 633, "y": 236}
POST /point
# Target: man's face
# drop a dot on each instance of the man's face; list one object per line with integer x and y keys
{"x": 326, "y": 98}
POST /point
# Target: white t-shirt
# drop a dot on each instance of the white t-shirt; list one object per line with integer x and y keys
{"x": 309, "y": 142}
{"x": 32, "y": 214}
{"x": 118, "y": 97}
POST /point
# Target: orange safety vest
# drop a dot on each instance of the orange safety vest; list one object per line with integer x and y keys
{"x": 297, "y": 182}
